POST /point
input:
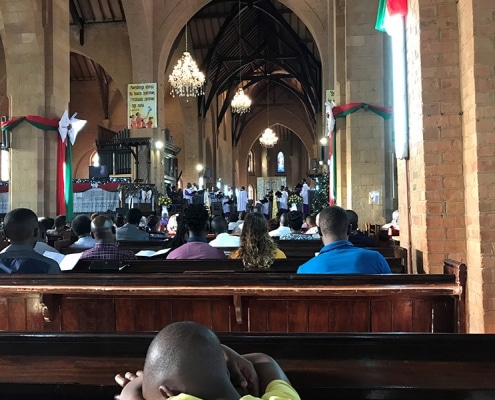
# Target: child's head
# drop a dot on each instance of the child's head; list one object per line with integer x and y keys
{"x": 185, "y": 357}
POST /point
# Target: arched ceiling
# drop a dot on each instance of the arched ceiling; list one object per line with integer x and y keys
{"x": 259, "y": 44}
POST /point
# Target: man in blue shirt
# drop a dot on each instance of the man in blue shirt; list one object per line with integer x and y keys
{"x": 339, "y": 256}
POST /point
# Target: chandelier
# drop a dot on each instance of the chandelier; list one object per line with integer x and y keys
{"x": 240, "y": 103}
{"x": 186, "y": 80}
{"x": 268, "y": 139}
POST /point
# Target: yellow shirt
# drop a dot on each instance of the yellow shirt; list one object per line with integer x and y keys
{"x": 276, "y": 390}
{"x": 278, "y": 254}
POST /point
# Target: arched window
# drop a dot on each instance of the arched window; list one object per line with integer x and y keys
{"x": 250, "y": 162}
{"x": 250, "y": 192}
{"x": 94, "y": 161}
{"x": 280, "y": 163}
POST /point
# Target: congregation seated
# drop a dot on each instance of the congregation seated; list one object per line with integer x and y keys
{"x": 153, "y": 224}
{"x": 130, "y": 230}
{"x": 295, "y": 220}
{"x": 59, "y": 226}
{"x": 233, "y": 221}
{"x": 240, "y": 223}
{"x": 21, "y": 228}
{"x": 196, "y": 220}
{"x": 81, "y": 226}
{"x": 119, "y": 220}
{"x": 311, "y": 228}
{"x": 47, "y": 223}
{"x": 283, "y": 227}
{"x": 177, "y": 231}
{"x": 338, "y": 255}
{"x": 103, "y": 231}
{"x": 222, "y": 237}
{"x": 187, "y": 361}
{"x": 257, "y": 249}
{"x": 356, "y": 237}
{"x": 41, "y": 246}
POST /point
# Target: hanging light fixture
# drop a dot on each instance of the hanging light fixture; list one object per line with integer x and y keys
{"x": 241, "y": 103}
{"x": 186, "y": 80}
{"x": 268, "y": 138}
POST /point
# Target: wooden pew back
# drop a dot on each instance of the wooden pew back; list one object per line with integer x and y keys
{"x": 261, "y": 302}
{"x": 459, "y": 270}
{"x": 364, "y": 366}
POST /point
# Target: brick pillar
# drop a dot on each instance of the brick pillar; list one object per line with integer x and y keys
{"x": 365, "y": 136}
{"x": 36, "y": 43}
{"x": 476, "y": 37}
{"x": 432, "y": 180}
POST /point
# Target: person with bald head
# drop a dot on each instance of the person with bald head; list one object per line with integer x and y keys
{"x": 186, "y": 361}
{"x": 103, "y": 231}
{"x": 21, "y": 229}
{"x": 338, "y": 255}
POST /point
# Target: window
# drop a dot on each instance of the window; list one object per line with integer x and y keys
{"x": 4, "y": 165}
{"x": 95, "y": 160}
{"x": 250, "y": 162}
{"x": 250, "y": 192}
{"x": 280, "y": 163}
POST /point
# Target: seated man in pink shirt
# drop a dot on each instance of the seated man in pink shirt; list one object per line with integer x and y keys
{"x": 196, "y": 218}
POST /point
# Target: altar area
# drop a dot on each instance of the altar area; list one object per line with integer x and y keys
{"x": 90, "y": 196}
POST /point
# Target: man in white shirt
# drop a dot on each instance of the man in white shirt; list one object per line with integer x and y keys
{"x": 81, "y": 225}
{"x": 283, "y": 228}
{"x": 242, "y": 200}
{"x": 305, "y": 195}
{"x": 283, "y": 200}
{"x": 226, "y": 207}
{"x": 188, "y": 193}
{"x": 222, "y": 238}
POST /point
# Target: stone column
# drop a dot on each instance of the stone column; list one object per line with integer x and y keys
{"x": 476, "y": 38}
{"x": 36, "y": 43}
{"x": 365, "y": 134}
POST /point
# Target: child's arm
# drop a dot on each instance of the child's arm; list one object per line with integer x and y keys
{"x": 242, "y": 372}
{"x": 267, "y": 369}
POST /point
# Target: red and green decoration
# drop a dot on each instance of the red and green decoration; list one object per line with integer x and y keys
{"x": 67, "y": 135}
{"x": 341, "y": 112}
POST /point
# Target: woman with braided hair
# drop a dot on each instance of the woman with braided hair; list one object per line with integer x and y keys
{"x": 257, "y": 249}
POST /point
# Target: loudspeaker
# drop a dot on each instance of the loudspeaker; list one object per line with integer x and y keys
{"x": 207, "y": 173}
{"x": 98, "y": 172}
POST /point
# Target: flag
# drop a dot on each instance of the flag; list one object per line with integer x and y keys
{"x": 388, "y": 13}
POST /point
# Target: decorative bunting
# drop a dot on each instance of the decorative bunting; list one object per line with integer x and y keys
{"x": 67, "y": 127}
{"x": 340, "y": 112}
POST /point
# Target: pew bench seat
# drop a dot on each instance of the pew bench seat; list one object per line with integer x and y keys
{"x": 332, "y": 366}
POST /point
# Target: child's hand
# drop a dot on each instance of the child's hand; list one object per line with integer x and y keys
{"x": 132, "y": 386}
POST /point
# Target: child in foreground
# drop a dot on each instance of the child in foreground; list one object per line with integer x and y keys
{"x": 186, "y": 361}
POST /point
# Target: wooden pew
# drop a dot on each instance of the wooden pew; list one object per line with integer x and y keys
{"x": 261, "y": 302}
{"x": 300, "y": 249}
{"x": 159, "y": 265}
{"x": 308, "y": 248}
{"x": 459, "y": 270}
{"x": 345, "y": 366}
{"x": 134, "y": 245}
{"x": 154, "y": 265}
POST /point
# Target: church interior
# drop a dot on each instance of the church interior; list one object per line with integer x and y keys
{"x": 288, "y": 56}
